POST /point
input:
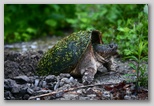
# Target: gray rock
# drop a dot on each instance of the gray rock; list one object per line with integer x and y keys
{"x": 59, "y": 94}
{"x": 33, "y": 46}
{"x": 133, "y": 97}
{"x": 91, "y": 96}
{"x": 8, "y": 96}
{"x": 15, "y": 89}
{"x": 83, "y": 98}
{"x": 42, "y": 91}
{"x": 38, "y": 99}
{"x": 90, "y": 91}
{"x": 23, "y": 90}
{"x": 71, "y": 79}
{"x": 50, "y": 78}
{"x": 28, "y": 85}
{"x": 40, "y": 83}
{"x": 128, "y": 91}
{"x": 106, "y": 94}
{"x": 26, "y": 97}
{"x": 51, "y": 85}
{"x": 9, "y": 84}
{"x": 61, "y": 83}
{"x": 32, "y": 79}
{"x": 57, "y": 83}
{"x": 62, "y": 75}
{"x": 36, "y": 88}
{"x": 79, "y": 91}
{"x": 44, "y": 84}
{"x": 21, "y": 79}
{"x": 127, "y": 97}
{"x": 30, "y": 91}
{"x": 65, "y": 80}
{"x": 68, "y": 96}
{"x": 36, "y": 82}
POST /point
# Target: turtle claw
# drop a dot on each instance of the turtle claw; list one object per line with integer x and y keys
{"x": 88, "y": 76}
{"x": 87, "y": 79}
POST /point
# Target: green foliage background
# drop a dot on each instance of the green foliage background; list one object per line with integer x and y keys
{"x": 125, "y": 24}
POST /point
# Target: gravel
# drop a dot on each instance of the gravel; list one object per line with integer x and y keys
{"x": 22, "y": 83}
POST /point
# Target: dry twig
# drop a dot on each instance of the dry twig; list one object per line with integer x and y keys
{"x": 64, "y": 91}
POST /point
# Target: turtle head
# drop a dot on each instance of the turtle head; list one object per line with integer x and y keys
{"x": 107, "y": 50}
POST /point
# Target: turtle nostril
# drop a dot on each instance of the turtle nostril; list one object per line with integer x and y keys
{"x": 111, "y": 45}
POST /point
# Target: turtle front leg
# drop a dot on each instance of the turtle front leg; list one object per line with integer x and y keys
{"x": 88, "y": 75}
{"x": 110, "y": 65}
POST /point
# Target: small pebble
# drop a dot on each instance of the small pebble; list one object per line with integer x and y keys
{"x": 21, "y": 79}
{"x": 80, "y": 91}
{"x": 33, "y": 46}
{"x": 126, "y": 97}
{"x": 91, "y": 95}
{"x": 37, "y": 98}
{"x": 50, "y": 78}
{"x": 15, "y": 90}
{"x": 128, "y": 92}
{"x": 106, "y": 94}
{"x": 71, "y": 79}
{"x": 62, "y": 75}
{"x": 36, "y": 82}
{"x": 26, "y": 97}
{"x": 65, "y": 80}
{"x": 44, "y": 84}
{"x": 56, "y": 85}
{"x": 30, "y": 91}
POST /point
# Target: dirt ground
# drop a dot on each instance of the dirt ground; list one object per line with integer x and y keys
{"x": 22, "y": 83}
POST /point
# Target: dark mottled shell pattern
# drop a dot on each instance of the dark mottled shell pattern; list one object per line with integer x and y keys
{"x": 65, "y": 55}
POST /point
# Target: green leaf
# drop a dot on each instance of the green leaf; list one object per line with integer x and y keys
{"x": 120, "y": 29}
{"x": 51, "y": 22}
{"x": 133, "y": 66}
{"x": 71, "y": 21}
{"x": 125, "y": 29}
{"x": 31, "y": 30}
{"x": 84, "y": 20}
{"x": 26, "y": 37}
{"x": 17, "y": 36}
{"x": 127, "y": 52}
{"x": 145, "y": 58}
{"x": 142, "y": 46}
{"x": 133, "y": 58}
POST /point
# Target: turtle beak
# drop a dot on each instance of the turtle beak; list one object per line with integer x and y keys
{"x": 106, "y": 50}
{"x": 111, "y": 49}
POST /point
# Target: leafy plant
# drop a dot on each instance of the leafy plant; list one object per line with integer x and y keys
{"x": 136, "y": 47}
{"x": 141, "y": 69}
{"x": 23, "y": 22}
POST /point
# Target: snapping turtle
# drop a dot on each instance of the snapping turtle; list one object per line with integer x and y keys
{"x": 79, "y": 54}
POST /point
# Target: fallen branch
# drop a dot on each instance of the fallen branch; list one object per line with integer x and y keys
{"x": 64, "y": 91}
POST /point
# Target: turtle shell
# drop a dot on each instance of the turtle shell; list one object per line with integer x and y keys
{"x": 65, "y": 55}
